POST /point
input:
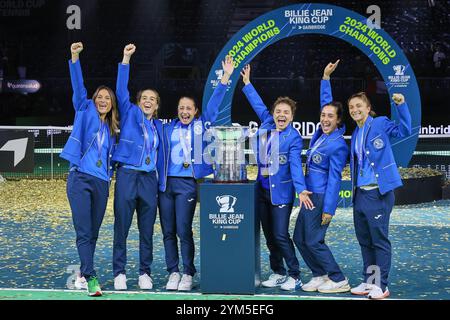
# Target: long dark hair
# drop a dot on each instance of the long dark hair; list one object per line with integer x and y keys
{"x": 339, "y": 111}
{"x": 193, "y": 101}
{"x": 112, "y": 117}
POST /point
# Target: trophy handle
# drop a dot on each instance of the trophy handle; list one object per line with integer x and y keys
{"x": 234, "y": 201}
{"x": 217, "y": 198}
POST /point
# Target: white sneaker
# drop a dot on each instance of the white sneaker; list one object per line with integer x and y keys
{"x": 334, "y": 287}
{"x": 291, "y": 284}
{"x": 377, "y": 294}
{"x": 145, "y": 282}
{"x": 314, "y": 283}
{"x": 185, "y": 283}
{"x": 174, "y": 281}
{"x": 120, "y": 282}
{"x": 275, "y": 280}
{"x": 362, "y": 290}
{"x": 80, "y": 283}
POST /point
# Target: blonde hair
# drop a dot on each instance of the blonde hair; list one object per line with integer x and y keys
{"x": 158, "y": 99}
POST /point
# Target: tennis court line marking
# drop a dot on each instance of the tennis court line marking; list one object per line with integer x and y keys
{"x": 292, "y": 297}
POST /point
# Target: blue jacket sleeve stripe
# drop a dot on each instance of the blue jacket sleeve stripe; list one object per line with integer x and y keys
{"x": 337, "y": 164}
{"x": 326, "y": 95}
{"x": 295, "y": 163}
{"x": 79, "y": 97}
{"x": 256, "y": 102}
{"x": 122, "y": 93}
{"x": 212, "y": 108}
{"x": 404, "y": 128}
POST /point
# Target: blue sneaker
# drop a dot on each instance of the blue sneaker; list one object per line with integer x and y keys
{"x": 291, "y": 284}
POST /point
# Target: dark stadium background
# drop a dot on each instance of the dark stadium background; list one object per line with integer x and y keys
{"x": 177, "y": 42}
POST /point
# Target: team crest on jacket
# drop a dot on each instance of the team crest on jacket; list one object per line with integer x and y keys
{"x": 317, "y": 158}
{"x": 282, "y": 159}
{"x": 378, "y": 143}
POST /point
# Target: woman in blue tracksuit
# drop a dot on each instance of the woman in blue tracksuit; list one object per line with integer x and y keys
{"x": 280, "y": 176}
{"x": 89, "y": 151}
{"x": 326, "y": 159}
{"x": 184, "y": 146}
{"x": 139, "y": 155}
{"x": 374, "y": 178}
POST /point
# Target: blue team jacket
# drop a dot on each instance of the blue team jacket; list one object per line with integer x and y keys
{"x": 325, "y": 167}
{"x": 377, "y": 146}
{"x": 285, "y": 169}
{"x": 87, "y": 123}
{"x": 201, "y": 168}
{"x": 325, "y": 164}
{"x": 131, "y": 142}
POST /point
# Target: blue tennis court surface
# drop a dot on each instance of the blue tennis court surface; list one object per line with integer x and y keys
{"x": 38, "y": 246}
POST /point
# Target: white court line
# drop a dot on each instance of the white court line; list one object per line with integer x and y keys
{"x": 347, "y": 220}
{"x": 393, "y": 223}
{"x": 291, "y": 297}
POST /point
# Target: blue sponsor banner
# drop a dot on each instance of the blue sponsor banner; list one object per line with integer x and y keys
{"x": 334, "y": 21}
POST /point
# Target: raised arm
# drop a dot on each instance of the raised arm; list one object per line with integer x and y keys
{"x": 212, "y": 108}
{"x": 403, "y": 129}
{"x": 123, "y": 74}
{"x": 79, "y": 97}
{"x": 253, "y": 97}
{"x": 326, "y": 95}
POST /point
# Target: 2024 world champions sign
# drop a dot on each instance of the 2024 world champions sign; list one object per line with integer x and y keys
{"x": 338, "y": 22}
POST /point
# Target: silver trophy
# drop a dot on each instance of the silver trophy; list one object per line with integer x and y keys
{"x": 229, "y": 159}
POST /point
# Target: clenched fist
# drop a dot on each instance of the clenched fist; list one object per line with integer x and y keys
{"x": 129, "y": 49}
{"x": 76, "y": 48}
{"x": 398, "y": 98}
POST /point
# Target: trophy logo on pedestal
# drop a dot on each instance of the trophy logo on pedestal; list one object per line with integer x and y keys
{"x": 226, "y": 203}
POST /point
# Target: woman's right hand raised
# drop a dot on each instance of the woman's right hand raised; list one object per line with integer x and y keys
{"x": 75, "y": 49}
{"x": 329, "y": 69}
{"x": 128, "y": 52}
{"x": 245, "y": 73}
{"x": 129, "y": 49}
